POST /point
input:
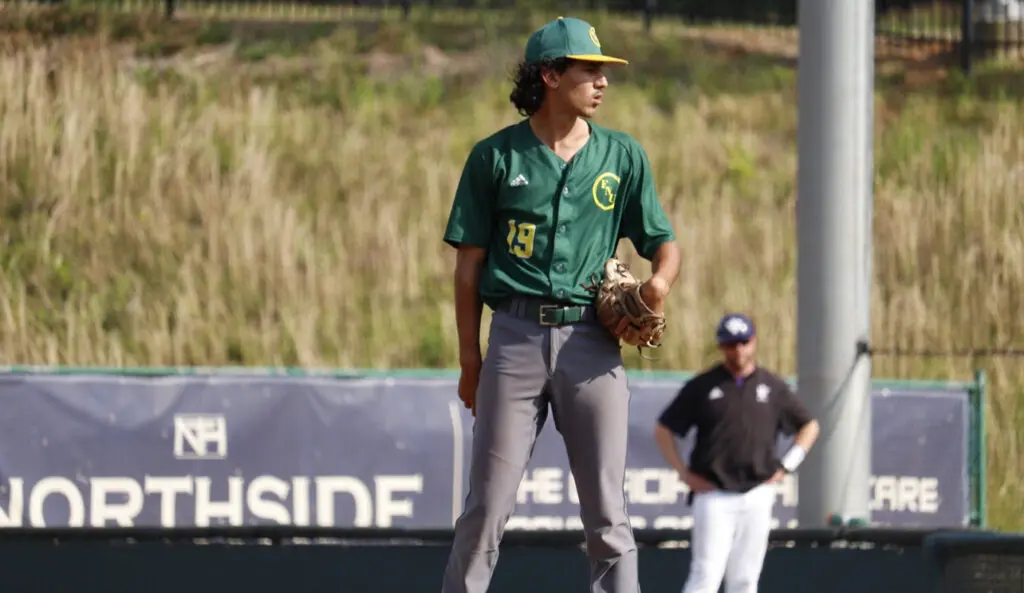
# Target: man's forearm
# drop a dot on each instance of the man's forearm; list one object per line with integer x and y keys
{"x": 666, "y": 262}
{"x": 807, "y": 435}
{"x": 468, "y": 306}
{"x": 667, "y": 445}
{"x": 802, "y": 444}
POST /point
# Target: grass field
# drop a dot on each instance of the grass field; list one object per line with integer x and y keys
{"x": 268, "y": 194}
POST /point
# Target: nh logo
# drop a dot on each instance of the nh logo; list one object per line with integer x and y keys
{"x": 200, "y": 436}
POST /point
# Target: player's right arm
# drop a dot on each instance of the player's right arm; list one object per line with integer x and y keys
{"x": 676, "y": 420}
{"x": 470, "y": 224}
{"x": 469, "y": 264}
{"x": 666, "y": 441}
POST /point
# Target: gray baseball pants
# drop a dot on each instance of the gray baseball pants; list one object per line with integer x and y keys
{"x": 576, "y": 369}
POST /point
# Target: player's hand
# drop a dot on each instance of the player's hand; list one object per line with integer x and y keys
{"x": 469, "y": 378}
{"x": 696, "y": 483}
{"x": 777, "y": 477}
{"x": 654, "y": 292}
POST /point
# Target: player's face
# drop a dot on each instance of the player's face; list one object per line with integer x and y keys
{"x": 581, "y": 87}
{"x": 739, "y": 355}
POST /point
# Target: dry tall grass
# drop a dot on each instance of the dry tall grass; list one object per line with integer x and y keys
{"x": 179, "y": 225}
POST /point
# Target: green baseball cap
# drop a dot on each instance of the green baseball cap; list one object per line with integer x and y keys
{"x": 567, "y": 38}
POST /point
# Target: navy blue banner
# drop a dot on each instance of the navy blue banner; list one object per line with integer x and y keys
{"x": 103, "y": 450}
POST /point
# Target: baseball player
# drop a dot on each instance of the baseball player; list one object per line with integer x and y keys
{"x": 540, "y": 208}
{"x": 738, "y": 409}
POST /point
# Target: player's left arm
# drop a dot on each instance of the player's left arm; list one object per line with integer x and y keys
{"x": 646, "y": 224}
{"x": 794, "y": 418}
{"x": 664, "y": 271}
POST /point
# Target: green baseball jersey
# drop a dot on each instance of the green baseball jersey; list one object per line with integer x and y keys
{"x": 549, "y": 225}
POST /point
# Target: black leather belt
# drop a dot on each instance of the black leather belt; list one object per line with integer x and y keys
{"x": 547, "y": 312}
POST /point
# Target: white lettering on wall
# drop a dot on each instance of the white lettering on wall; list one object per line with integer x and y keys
{"x": 541, "y": 486}
{"x": 330, "y": 500}
{"x": 388, "y": 505}
{"x": 119, "y": 500}
{"x": 905, "y": 493}
{"x": 104, "y": 504}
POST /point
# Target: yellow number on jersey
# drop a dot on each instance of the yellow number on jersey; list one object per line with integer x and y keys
{"x": 520, "y": 238}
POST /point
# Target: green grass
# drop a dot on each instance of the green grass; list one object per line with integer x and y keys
{"x": 273, "y": 194}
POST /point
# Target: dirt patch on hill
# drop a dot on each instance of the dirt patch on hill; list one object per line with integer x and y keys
{"x": 429, "y": 60}
{"x": 918, "y": 63}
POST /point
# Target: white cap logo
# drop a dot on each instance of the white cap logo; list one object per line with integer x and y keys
{"x": 736, "y": 326}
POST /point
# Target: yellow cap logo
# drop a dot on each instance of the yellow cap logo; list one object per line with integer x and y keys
{"x": 593, "y": 37}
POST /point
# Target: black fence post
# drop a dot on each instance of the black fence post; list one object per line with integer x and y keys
{"x": 966, "y": 36}
{"x": 649, "y": 7}
{"x": 169, "y": 9}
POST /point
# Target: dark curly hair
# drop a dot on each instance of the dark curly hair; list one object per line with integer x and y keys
{"x": 528, "y": 85}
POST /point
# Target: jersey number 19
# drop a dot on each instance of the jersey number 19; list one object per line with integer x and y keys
{"x": 520, "y": 238}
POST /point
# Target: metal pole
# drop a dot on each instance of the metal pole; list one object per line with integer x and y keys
{"x": 966, "y": 36}
{"x": 835, "y": 187}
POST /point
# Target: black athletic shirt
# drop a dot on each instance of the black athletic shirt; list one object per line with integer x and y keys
{"x": 737, "y": 422}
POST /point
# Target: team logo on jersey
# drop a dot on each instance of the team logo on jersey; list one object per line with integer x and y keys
{"x": 593, "y": 37}
{"x": 716, "y": 393}
{"x": 762, "y": 392}
{"x": 604, "y": 189}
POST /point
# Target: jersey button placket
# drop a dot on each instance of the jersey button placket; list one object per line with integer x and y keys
{"x": 560, "y": 294}
{"x": 562, "y": 248}
{"x": 561, "y": 252}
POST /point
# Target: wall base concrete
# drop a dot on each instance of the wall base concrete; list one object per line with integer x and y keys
{"x": 99, "y": 566}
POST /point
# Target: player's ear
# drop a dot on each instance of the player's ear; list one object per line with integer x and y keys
{"x": 551, "y": 77}
{"x": 553, "y": 72}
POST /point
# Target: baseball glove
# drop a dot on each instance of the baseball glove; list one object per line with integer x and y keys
{"x": 617, "y": 297}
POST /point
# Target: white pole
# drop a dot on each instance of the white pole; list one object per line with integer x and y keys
{"x": 835, "y": 193}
